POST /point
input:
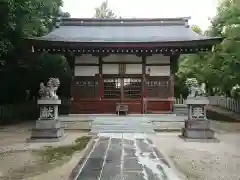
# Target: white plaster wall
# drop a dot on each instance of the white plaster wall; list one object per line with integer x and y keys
{"x": 158, "y": 70}
{"x": 110, "y": 69}
{"x": 86, "y": 70}
{"x": 133, "y": 68}
{"x": 158, "y": 59}
{"x": 86, "y": 59}
{"x": 122, "y": 58}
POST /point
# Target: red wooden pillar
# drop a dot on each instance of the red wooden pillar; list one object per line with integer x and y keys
{"x": 174, "y": 67}
{"x": 144, "y": 88}
{"x": 172, "y": 85}
{"x": 101, "y": 80}
{"x": 101, "y": 87}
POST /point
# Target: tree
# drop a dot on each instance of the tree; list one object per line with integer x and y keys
{"x": 26, "y": 18}
{"x": 189, "y": 66}
{"x": 218, "y": 69}
{"x": 226, "y": 24}
{"x": 197, "y": 29}
{"x": 103, "y": 11}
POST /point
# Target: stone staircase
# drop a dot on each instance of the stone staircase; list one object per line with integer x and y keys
{"x": 121, "y": 124}
{"x": 180, "y": 110}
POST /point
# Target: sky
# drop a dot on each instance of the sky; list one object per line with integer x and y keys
{"x": 199, "y": 10}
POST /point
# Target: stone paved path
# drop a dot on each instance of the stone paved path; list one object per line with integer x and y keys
{"x": 124, "y": 156}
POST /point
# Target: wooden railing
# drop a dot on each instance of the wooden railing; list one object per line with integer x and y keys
{"x": 219, "y": 101}
{"x": 179, "y": 101}
{"x": 225, "y": 102}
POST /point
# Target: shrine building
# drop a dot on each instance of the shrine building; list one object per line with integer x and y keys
{"x": 130, "y": 62}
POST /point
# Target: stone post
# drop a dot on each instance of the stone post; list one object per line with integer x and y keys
{"x": 48, "y": 125}
{"x": 197, "y": 126}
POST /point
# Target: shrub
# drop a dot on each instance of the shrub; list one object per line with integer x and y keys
{"x": 18, "y": 112}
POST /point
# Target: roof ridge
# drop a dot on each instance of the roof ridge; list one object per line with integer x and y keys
{"x": 183, "y": 21}
{"x": 125, "y": 19}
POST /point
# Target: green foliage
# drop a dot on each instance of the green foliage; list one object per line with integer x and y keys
{"x": 28, "y": 75}
{"x": 52, "y": 154}
{"x": 16, "y": 113}
{"x": 220, "y": 68}
{"x": 25, "y": 18}
{"x": 21, "y": 71}
{"x": 103, "y": 11}
{"x": 55, "y": 66}
{"x": 197, "y": 29}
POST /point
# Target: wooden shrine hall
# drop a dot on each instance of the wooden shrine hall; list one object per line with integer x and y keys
{"x": 122, "y": 63}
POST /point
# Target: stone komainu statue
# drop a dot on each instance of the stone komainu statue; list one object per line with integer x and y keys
{"x": 50, "y": 90}
{"x": 194, "y": 89}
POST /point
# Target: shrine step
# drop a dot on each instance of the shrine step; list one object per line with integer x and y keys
{"x": 122, "y": 124}
{"x": 115, "y": 128}
{"x": 159, "y": 112}
{"x": 180, "y": 110}
{"x": 122, "y": 131}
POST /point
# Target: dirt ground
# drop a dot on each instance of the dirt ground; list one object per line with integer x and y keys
{"x": 14, "y": 134}
{"x": 204, "y": 161}
{"x": 22, "y": 160}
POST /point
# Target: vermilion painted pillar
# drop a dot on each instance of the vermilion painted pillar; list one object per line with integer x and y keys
{"x": 172, "y": 90}
{"x": 101, "y": 87}
{"x": 101, "y": 80}
{"x": 144, "y": 88}
{"x": 174, "y": 67}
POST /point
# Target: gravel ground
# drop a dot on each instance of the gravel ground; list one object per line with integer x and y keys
{"x": 21, "y": 160}
{"x": 197, "y": 161}
{"x": 204, "y": 161}
{"x": 61, "y": 171}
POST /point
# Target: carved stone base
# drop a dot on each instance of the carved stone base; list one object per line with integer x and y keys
{"x": 197, "y": 129}
{"x": 48, "y": 124}
{"x": 47, "y": 133}
{"x": 213, "y": 140}
{"x": 195, "y": 133}
{"x": 197, "y": 124}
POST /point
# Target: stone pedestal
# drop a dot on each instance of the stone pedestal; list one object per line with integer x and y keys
{"x": 197, "y": 126}
{"x": 48, "y": 125}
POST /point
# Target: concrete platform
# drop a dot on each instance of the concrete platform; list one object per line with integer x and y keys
{"x": 160, "y": 122}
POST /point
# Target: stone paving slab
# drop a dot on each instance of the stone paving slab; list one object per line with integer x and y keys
{"x": 129, "y": 152}
{"x": 132, "y": 164}
{"x": 101, "y": 148}
{"x": 144, "y": 147}
{"x": 88, "y": 175}
{"x": 111, "y": 171}
{"x": 134, "y": 176}
{"x": 94, "y": 164}
{"x": 152, "y": 176}
{"x": 124, "y": 157}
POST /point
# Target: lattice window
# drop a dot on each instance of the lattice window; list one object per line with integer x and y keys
{"x": 132, "y": 88}
{"x": 87, "y": 88}
{"x": 112, "y": 88}
{"x": 158, "y": 88}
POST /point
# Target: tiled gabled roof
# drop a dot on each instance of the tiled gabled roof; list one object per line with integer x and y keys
{"x": 123, "y": 30}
